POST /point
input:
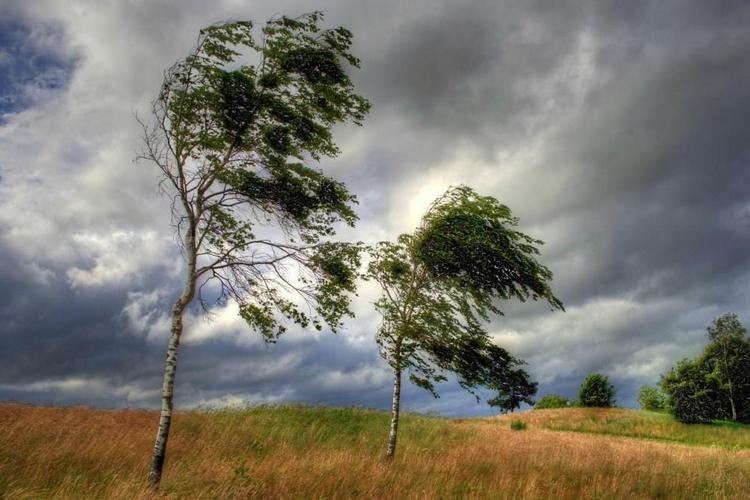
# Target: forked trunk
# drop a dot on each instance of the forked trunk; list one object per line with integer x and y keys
{"x": 395, "y": 405}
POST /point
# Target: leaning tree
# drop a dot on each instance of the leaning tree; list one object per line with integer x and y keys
{"x": 442, "y": 283}
{"x": 235, "y": 127}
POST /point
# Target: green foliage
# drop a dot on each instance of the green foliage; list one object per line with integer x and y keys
{"x": 692, "y": 395}
{"x": 518, "y": 425}
{"x": 552, "y": 401}
{"x": 434, "y": 302}
{"x": 716, "y": 384}
{"x": 651, "y": 398}
{"x": 596, "y": 391}
{"x": 285, "y": 106}
{"x": 513, "y": 389}
{"x": 470, "y": 240}
{"x": 726, "y": 327}
{"x": 727, "y": 360}
{"x": 232, "y": 140}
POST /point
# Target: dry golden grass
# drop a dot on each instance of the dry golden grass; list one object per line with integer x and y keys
{"x": 337, "y": 453}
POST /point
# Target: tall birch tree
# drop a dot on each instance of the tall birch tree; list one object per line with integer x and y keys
{"x": 727, "y": 336}
{"x": 442, "y": 283}
{"x": 235, "y": 128}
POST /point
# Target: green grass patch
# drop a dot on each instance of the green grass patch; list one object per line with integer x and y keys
{"x": 518, "y": 425}
{"x": 647, "y": 425}
{"x": 264, "y": 427}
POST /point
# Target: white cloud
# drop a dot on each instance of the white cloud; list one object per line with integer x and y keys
{"x": 146, "y": 316}
{"x": 221, "y": 323}
{"x": 612, "y": 335}
{"x": 88, "y": 389}
{"x": 119, "y": 258}
{"x": 241, "y": 400}
{"x": 363, "y": 378}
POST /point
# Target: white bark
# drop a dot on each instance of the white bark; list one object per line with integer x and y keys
{"x": 729, "y": 380}
{"x": 395, "y": 406}
{"x": 170, "y": 365}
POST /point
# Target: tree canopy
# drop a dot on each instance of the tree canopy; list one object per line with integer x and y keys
{"x": 470, "y": 242}
{"x": 651, "y": 398}
{"x": 232, "y": 139}
{"x": 514, "y": 388}
{"x": 596, "y": 391}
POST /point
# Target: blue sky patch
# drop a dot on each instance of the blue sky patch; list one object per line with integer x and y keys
{"x": 33, "y": 64}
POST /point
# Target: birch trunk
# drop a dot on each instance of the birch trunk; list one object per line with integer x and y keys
{"x": 170, "y": 365}
{"x": 395, "y": 405}
{"x": 729, "y": 382}
{"x": 731, "y": 394}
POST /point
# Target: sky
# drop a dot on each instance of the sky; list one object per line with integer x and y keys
{"x": 617, "y": 132}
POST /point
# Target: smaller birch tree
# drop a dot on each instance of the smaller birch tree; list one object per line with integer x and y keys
{"x": 234, "y": 125}
{"x": 441, "y": 284}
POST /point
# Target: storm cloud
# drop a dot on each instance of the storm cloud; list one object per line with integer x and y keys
{"x": 616, "y": 131}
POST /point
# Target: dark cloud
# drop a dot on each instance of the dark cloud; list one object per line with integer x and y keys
{"x": 459, "y": 74}
{"x": 52, "y": 331}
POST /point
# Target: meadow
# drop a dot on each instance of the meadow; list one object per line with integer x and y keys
{"x": 318, "y": 452}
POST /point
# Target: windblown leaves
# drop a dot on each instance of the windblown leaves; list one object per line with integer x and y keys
{"x": 471, "y": 239}
{"x": 237, "y": 122}
{"x": 439, "y": 286}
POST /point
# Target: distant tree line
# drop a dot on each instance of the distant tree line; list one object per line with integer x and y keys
{"x": 596, "y": 391}
{"x": 712, "y": 386}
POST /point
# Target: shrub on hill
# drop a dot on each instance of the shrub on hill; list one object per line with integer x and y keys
{"x": 596, "y": 391}
{"x": 694, "y": 398}
{"x": 549, "y": 401}
{"x": 651, "y": 398}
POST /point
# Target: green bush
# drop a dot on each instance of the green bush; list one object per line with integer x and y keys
{"x": 596, "y": 391}
{"x": 693, "y": 396}
{"x": 518, "y": 425}
{"x": 651, "y": 398}
{"x": 549, "y": 401}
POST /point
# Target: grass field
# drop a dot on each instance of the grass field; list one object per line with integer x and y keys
{"x": 303, "y": 452}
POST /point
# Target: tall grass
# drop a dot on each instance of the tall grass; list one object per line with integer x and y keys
{"x": 298, "y": 452}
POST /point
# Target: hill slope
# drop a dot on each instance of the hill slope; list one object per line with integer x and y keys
{"x": 302, "y": 452}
